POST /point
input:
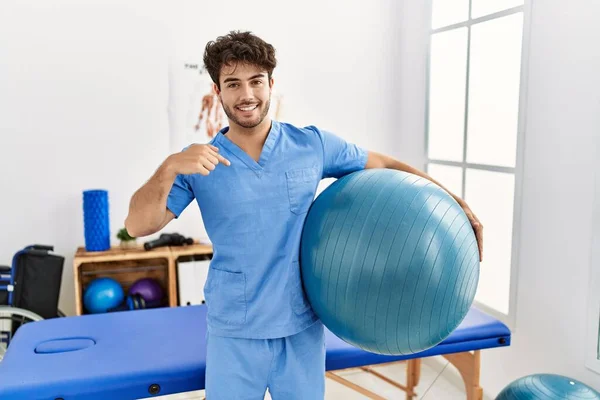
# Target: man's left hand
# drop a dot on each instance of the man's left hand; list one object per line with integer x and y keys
{"x": 477, "y": 227}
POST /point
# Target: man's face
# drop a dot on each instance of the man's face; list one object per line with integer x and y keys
{"x": 245, "y": 94}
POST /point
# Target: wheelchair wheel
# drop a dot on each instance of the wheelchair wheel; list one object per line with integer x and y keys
{"x": 11, "y": 318}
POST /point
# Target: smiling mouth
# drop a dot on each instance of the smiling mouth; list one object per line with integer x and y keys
{"x": 247, "y": 107}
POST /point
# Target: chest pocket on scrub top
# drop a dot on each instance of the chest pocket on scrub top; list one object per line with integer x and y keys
{"x": 302, "y": 184}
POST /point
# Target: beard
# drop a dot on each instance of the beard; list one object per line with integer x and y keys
{"x": 248, "y": 123}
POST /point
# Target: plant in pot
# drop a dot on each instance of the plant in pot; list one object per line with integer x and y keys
{"x": 127, "y": 241}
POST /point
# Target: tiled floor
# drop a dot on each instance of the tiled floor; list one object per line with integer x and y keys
{"x": 437, "y": 382}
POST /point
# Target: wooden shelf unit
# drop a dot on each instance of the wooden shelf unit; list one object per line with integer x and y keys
{"x": 128, "y": 265}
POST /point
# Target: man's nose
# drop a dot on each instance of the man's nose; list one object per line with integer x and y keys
{"x": 247, "y": 93}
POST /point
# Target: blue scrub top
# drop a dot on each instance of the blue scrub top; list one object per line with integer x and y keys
{"x": 253, "y": 213}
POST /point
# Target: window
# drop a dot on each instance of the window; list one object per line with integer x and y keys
{"x": 474, "y": 126}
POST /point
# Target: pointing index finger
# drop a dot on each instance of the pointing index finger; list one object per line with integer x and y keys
{"x": 223, "y": 160}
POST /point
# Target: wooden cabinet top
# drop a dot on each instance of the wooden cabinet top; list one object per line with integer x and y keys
{"x": 138, "y": 252}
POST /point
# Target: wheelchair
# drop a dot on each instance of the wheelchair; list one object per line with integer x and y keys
{"x": 29, "y": 290}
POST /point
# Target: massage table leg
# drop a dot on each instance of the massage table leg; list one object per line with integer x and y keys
{"x": 412, "y": 377}
{"x": 413, "y": 374}
{"x": 354, "y": 386}
{"x": 468, "y": 364}
{"x": 414, "y": 366}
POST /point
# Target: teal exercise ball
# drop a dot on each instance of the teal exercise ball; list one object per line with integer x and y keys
{"x": 389, "y": 261}
{"x": 547, "y": 387}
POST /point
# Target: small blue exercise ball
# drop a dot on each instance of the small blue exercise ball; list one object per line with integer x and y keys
{"x": 102, "y": 294}
{"x": 389, "y": 261}
{"x": 547, "y": 387}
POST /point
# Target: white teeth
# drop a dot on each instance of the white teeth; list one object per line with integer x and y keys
{"x": 248, "y": 108}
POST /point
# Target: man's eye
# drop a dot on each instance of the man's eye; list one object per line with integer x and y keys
{"x": 232, "y": 85}
{"x": 258, "y": 82}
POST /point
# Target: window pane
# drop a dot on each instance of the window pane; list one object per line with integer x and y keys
{"x": 447, "y": 82}
{"x": 485, "y": 7}
{"x": 494, "y": 91}
{"x": 449, "y": 177}
{"x": 490, "y": 196}
{"x": 448, "y": 12}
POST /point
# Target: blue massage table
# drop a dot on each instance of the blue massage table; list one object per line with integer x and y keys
{"x": 146, "y": 353}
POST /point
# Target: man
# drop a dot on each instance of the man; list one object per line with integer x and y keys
{"x": 254, "y": 183}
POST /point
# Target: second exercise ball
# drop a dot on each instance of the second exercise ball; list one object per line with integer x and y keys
{"x": 102, "y": 294}
{"x": 148, "y": 288}
{"x": 389, "y": 261}
{"x": 547, "y": 387}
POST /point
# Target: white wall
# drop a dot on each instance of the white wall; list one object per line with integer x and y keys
{"x": 562, "y": 126}
{"x": 84, "y": 91}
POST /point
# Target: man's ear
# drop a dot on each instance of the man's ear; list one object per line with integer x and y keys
{"x": 216, "y": 89}
{"x": 271, "y": 83}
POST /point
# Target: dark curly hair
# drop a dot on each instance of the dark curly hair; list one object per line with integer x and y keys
{"x": 237, "y": 47}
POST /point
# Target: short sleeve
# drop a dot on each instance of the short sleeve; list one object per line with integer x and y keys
{"x": 339, "y": 156}
{"x": 180, "y": 196}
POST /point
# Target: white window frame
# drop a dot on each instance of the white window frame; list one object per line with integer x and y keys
{"x": 510, "y": 318}
{"x": 592, "y": 346}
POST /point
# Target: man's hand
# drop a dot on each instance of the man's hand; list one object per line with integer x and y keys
{"x": 477, "y": 227}
{"x": 196, "y": 159}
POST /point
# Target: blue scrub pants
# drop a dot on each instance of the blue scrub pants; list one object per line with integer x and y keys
{"x": 291, "y": 368}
